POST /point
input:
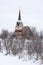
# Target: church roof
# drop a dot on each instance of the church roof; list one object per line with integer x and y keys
{"x": 27, "y": 29}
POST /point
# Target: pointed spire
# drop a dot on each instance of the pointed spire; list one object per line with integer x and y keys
{"x": 19, "y": 17}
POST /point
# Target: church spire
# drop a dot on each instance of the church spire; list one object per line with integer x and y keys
{"x": 19, "y": 17}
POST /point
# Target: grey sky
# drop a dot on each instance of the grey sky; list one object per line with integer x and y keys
{"x": 31, "y": 12}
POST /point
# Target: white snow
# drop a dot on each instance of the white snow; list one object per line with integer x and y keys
{"x": 14, "y": 60}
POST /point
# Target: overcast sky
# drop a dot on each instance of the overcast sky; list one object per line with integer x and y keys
{"x": 31, "y": 13}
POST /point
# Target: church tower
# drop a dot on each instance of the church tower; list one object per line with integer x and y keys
{"x": 19, "y": 26}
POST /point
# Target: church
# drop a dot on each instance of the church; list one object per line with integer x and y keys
{"x": 22, "y": 31}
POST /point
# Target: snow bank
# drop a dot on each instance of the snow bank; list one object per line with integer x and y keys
{"x": 14, "y": 60}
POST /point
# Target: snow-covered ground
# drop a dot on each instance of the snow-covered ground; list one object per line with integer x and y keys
{"x": 14, "y": 60}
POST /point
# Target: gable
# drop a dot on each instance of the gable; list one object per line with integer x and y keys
{"x": 28, "y": 33}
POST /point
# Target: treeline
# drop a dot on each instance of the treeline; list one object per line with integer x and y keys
{"x": 15, "y": 46}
